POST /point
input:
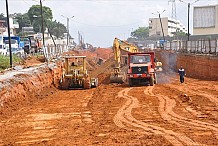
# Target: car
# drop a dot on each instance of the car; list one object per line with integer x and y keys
{"x": 15, "y": 51}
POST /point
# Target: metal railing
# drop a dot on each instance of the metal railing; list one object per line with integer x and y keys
{"x": 194, "y": 47}
{"x": 51, "y": 51}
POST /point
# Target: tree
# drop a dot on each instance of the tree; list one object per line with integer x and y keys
{"x": 140, "y": 33}
{"x": 23, "y": 20}
{"x": 2, "y": 16}
{"x": 34, "y": 14}
{"x": 56, "y": 28}
{"x": 181, "y": 34}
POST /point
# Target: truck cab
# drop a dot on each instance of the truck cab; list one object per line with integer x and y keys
{"x": 141, "y": 68}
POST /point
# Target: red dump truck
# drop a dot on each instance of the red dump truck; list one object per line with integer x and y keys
{"x": 142, "y": 68}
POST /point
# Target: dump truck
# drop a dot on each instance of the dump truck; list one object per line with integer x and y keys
{"x": 142, "y": 68}
{"x": 75, "y": 74}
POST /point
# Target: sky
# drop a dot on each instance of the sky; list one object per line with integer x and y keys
{"x": 100, "y": 21}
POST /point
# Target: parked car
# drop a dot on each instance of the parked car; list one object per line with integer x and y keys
{"x": 16, "y": 51}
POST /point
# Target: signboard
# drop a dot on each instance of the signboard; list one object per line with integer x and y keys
{"x": 204, "y": 17}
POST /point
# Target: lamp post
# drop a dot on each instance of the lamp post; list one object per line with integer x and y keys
{"x": 189, "y": 15}
{"x": 159, "y": 15}
{"x": 43, "y": 37}
{"x": 161, "y": 24}
{"x": 9, "y": 33}
{"x": 68, "y": 18}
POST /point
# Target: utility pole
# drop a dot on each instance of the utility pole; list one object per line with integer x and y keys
{"x": 67, "y": 31}
{"x": 43, "y": 38}
{"x": 188, "y": 20}
{"x": 68, "y": 19}
{"x": 189, "y": 14}
{"x": 9, "y": 33}
{"x": 161, "y": 26}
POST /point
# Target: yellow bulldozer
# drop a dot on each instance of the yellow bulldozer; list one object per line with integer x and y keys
{"x": 75, "y": 74}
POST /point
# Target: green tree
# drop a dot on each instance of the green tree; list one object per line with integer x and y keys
{"x": 1, "y": 16}
{"x": 56, "y": 28}
{"x": 34, "y": 14}
{"x": 23, "y": 20}
{"x": 181, "y": 34}
{"x": 140, "y": 33}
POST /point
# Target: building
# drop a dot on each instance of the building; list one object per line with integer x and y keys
{"x": 2, "y": 27}
{"x": 205, "y": 20}
{"x": 170, "y": 27}
{"x": 13, "y": 26}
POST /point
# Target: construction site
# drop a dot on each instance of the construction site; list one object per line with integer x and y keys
{"x": 34, "y": 110}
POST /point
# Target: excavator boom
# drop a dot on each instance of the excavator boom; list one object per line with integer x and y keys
{"x": 120, "y": 46}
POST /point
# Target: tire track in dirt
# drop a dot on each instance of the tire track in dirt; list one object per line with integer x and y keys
{"x": 212, "y": 98}
{"x": 166, "y": 111}
{"x": 124, "y": 116}
{"x": 42, "y": 122}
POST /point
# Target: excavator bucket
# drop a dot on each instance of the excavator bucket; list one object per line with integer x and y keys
{"x": 118, "y": 78}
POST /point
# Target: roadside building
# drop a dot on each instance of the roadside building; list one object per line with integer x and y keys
{"x": 205, "y": 20}
{"x": 2, "y": 27}
{"x": 170, "y": 27}
{"x": 13, "y": 26}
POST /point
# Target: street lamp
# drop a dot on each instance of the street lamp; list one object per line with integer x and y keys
{"x": 188, "y": 13}
{"x": 43, "y": 38}
{"x": 68, "y": 18}
{"x": 161, "y": 23}
{"x": 42, "y": 28}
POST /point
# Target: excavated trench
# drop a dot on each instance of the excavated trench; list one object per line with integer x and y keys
{"x": 25, "y": 86}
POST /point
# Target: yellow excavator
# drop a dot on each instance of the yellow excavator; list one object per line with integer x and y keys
{"x": 121, "y": 49}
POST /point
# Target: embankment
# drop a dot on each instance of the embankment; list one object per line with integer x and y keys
{"x": 196, "y": 66}
{"x": 23, "y": 87}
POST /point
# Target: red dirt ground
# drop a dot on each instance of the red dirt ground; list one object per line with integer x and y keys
{"x": 169, "y": 113}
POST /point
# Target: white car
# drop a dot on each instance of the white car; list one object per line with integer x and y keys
{"x": 3, "y": 51}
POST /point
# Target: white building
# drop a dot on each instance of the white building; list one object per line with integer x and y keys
{"x": 13, "y": 26}
{"x": 170, "y": 27}
{"x": 205, "y": 20}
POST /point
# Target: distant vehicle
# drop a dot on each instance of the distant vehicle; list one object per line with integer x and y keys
{"x": 14, "y": 43}
{"x": 15, "y": 51}
{"x": 31, "y": 45}
{"x": 1, "y": 43}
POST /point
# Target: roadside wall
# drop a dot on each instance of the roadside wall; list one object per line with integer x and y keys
{"x": 202, "y": 67}
{"x": 196, "y": 66}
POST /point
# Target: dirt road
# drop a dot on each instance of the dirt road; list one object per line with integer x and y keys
{"x": 165, "y": 114}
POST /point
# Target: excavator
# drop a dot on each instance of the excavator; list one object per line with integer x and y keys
{"x": 139, "y": 66}
{"x": 121, "y": 49}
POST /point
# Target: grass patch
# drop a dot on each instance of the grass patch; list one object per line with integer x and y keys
{"x": 5, "y": 61}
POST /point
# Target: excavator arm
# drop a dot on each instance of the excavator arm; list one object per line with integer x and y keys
{"x": 118, "y": 45}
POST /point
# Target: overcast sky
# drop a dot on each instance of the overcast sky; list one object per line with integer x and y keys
{"x": 99, "y": 21}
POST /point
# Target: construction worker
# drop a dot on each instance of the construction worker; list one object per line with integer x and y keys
{"x": 181, "y": 72}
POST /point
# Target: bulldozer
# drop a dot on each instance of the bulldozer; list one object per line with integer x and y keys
{"x": 75, "y": 74}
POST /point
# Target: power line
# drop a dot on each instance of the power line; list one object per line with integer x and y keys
{"x": 107, "y": 25}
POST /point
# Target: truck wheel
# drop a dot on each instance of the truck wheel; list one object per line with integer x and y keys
{"x": 130, "y": 83}
{"x": 155, "y": 78}
{"x": 152, "y": 81}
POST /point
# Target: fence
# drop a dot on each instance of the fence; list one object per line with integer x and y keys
{"x": 52, "y": 51}
{"x": 196, "y": 47}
